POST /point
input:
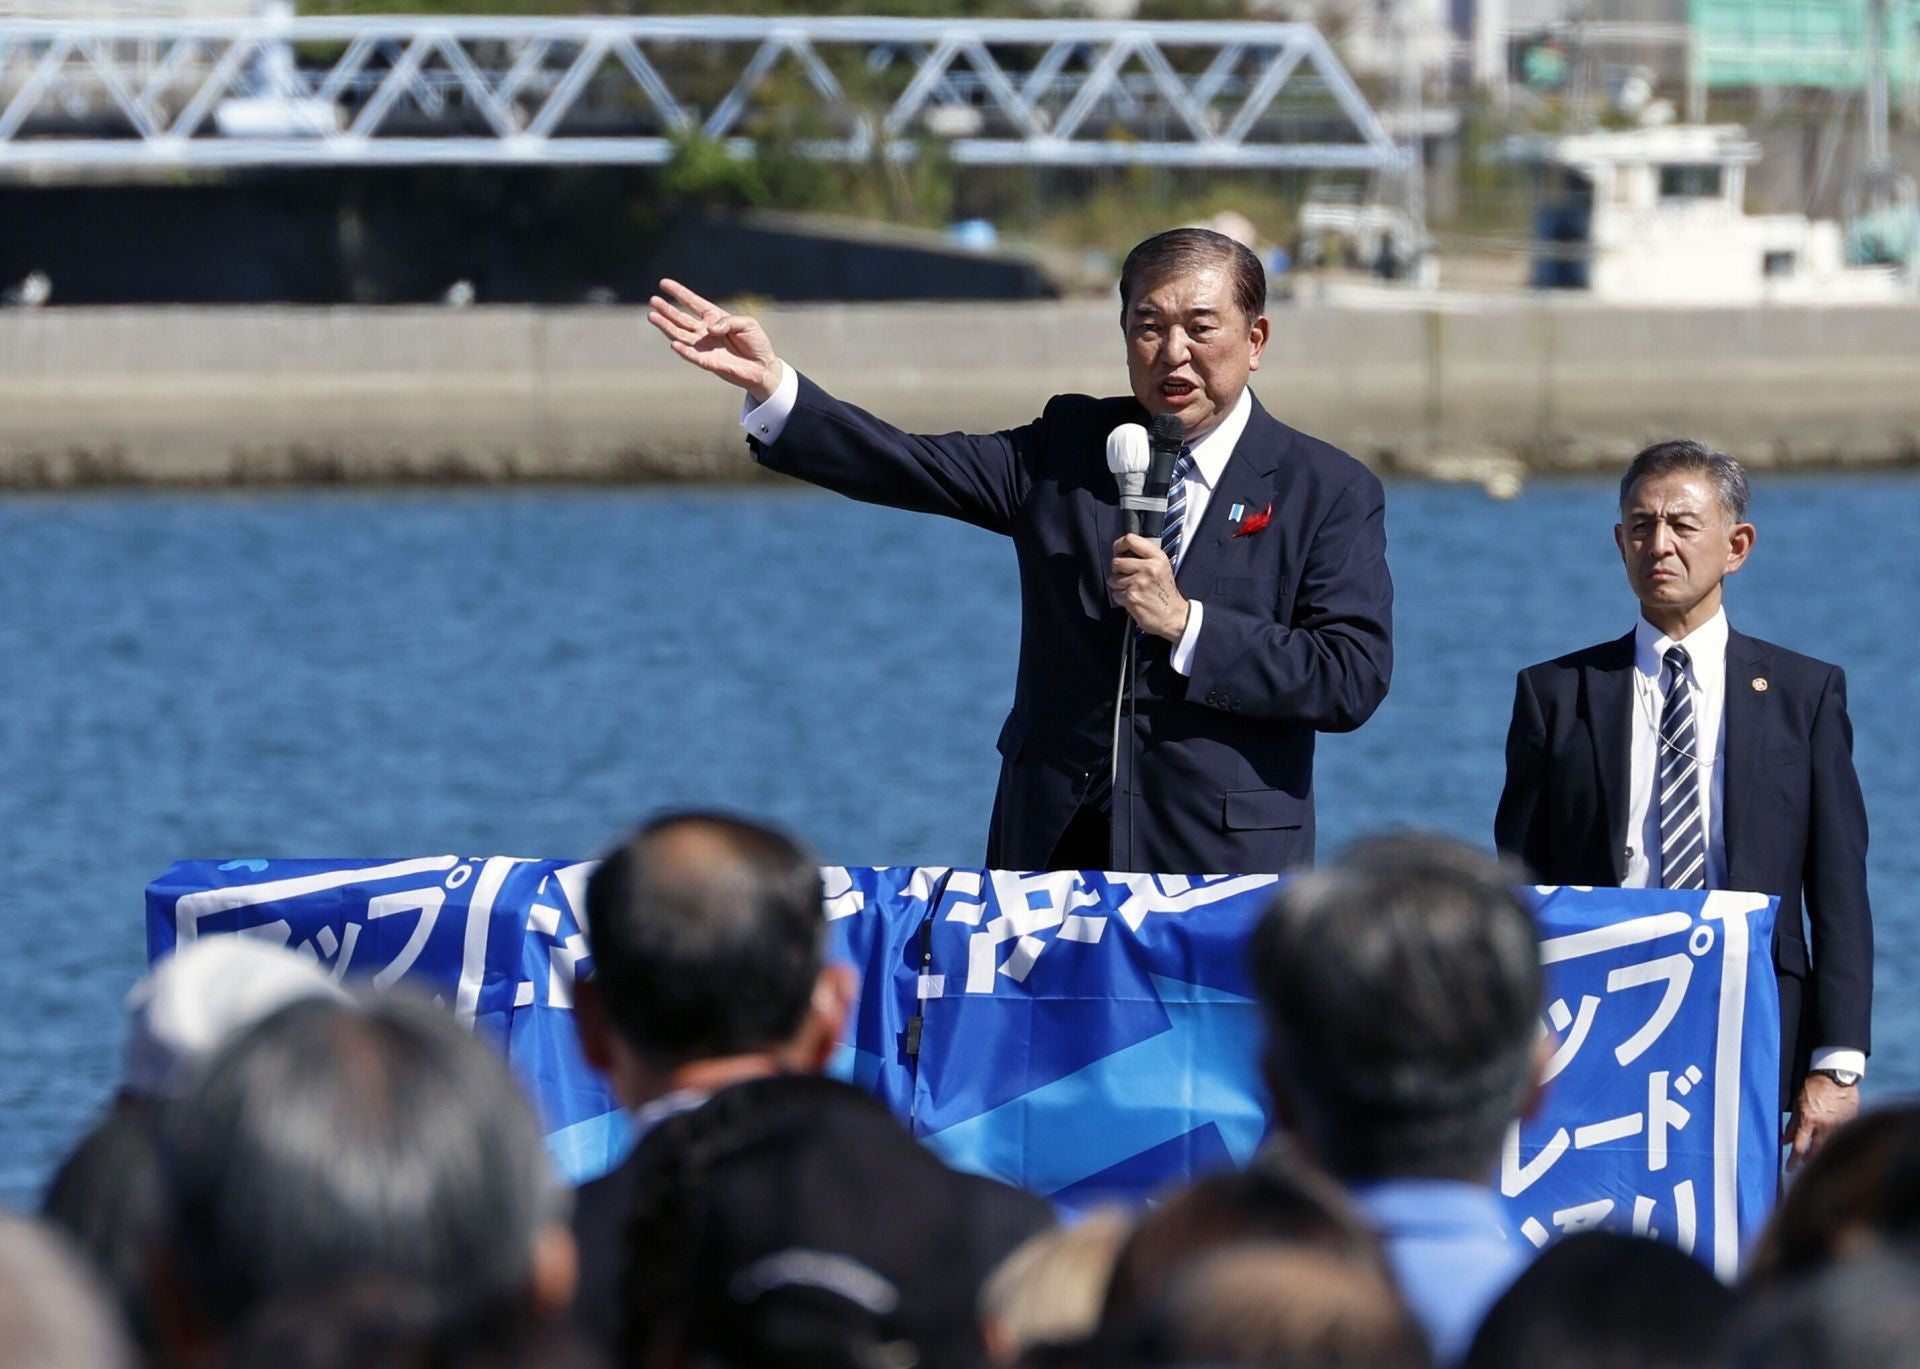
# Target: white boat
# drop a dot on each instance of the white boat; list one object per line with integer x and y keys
{"x": 1657, "y": 214}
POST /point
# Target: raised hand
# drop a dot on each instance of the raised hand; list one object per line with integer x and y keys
{"x": 732, "y": 346}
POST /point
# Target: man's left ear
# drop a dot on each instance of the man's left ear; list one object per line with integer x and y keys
{"x": 834, "y": 992}
{"x": 1741, "y": 539}
{"x": 1283, "y": 1120}
{"x": 1537, "y": 1086}
{"x": 591, "y": 1025}
{"x": 1257, "y": 342}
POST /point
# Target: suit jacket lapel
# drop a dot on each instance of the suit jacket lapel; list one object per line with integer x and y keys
{"x": 1247, "y": 479}
{"x": 1746, "y": 662}
{"x": 1609, "y": 686}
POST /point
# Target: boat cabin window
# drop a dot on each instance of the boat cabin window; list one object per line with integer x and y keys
{"x": 1690, "y": 182}
{"x": 1777, "y": 264}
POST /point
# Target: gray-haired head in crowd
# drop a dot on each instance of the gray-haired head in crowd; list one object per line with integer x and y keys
{"x": 1402, "y": 989}
{"x": 340, "y": 1140}
{"x": 1402, "y": 992}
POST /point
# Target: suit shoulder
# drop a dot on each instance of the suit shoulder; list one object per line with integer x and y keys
{"x": 1091, "y": 411}
{"x": 1328, "y": 465}
{"x": 1600, "y": 656}
{"x": 1788, "y": 662}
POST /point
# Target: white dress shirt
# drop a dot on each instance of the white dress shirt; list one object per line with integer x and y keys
{"x": 1706, "y": 649}
{"x": 765, "y": 422}
{"x": 1210, "y": 455}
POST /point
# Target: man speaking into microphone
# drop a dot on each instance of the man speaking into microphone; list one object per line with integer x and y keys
{"x": 1262, "y": 616}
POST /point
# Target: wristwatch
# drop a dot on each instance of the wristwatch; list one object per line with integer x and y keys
{"x": 1846, "y": 1079}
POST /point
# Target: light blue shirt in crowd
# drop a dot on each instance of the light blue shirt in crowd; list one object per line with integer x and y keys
{"x": 1448, "y": 1244}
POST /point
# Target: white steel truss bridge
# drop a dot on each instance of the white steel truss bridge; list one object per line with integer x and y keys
{"x": 392, "y": 91}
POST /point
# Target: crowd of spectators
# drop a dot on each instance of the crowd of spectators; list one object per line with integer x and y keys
{"x": 301, "y": 1176}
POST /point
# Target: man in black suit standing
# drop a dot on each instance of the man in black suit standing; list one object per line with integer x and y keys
{"x": 1688, "y": 755}
{"x": 1266, "y": 618}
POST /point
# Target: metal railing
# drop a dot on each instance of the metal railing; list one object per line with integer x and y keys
{"x": 371, "y": 91}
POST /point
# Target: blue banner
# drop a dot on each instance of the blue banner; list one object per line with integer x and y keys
{"x": 1662, "y": 1111}
{"x": 1093, "y": 1037}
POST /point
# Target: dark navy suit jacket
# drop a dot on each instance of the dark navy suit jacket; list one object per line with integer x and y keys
{"x": 1795, "y": 823}
{"x": 1296, "y": 638}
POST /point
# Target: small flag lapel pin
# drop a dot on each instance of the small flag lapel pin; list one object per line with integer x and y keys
{"x": 1254, "y": 522}
{"x": 1233, "y": 514}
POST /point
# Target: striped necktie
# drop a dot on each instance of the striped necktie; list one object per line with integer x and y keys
{"x": 1176, "y": 505}
{"x": 1683, "y": 837}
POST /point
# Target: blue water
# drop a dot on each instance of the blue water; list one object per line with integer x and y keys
{"x": 527, "y": 673}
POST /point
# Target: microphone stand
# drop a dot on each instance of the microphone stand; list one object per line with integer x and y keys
{"x": 1133, "y": 734}
{"x": 1124, "y": 702}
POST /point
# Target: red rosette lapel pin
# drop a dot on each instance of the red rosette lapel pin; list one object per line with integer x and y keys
{"x": 1253, "y": 522}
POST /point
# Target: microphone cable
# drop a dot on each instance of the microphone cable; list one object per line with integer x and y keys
{"x": 1123, "y": 703}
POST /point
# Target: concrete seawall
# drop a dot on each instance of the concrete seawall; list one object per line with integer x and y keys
{"x": 279, "y": 395}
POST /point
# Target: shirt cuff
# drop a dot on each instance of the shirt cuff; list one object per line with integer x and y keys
{"x": 1839, "y": 1058}
{"x": 1183, "y": 649}
{"x": 765, "y": 422}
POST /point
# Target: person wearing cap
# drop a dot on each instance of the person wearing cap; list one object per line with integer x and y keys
{"x": 202, "y": 996}
{"x": 106, "y": 1195}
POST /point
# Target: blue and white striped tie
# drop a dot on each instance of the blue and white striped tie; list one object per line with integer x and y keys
{"x": 1176, "y": 506}
{"x": 1683, "y": 837}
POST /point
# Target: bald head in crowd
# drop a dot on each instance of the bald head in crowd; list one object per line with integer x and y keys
{"x": 708, "y": 936}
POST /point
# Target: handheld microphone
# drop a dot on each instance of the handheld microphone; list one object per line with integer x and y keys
{"x": 1128, "y": 457}
{"x": 1166, "y": 434}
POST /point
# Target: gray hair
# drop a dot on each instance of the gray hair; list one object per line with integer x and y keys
{"x": 1179, "y": 251}
{"x": 1402, "y": 990}
{"x": 1727, "y": 476}
{"x": 339, "y": 1139}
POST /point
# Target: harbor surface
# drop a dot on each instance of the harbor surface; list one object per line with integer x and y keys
{"x": 1478, "y": 387}
{"x": 386, "y": 673}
